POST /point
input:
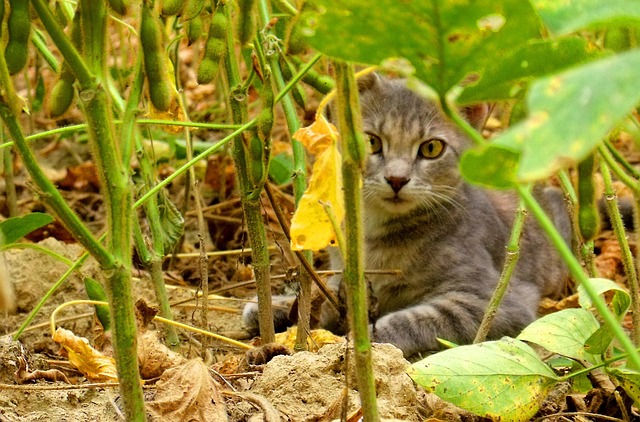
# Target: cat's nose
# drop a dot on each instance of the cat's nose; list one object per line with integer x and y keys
{"x": 397, "y": 183}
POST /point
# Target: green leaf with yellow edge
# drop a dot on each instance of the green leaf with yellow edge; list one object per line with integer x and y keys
{"x": 447, "y": 40}
{"x": 491, "y": 166}
{"x": 503, "y": 380}
{"x": 563, "y": 332}
{"x": 566, "y": 16}
{"x": 629, "y": 380}
{"x": 571, "y": 112}
{"x": 311, "y": 227}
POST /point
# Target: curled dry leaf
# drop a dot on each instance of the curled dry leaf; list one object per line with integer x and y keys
{"x": 154, "y": 357}
{"x": 93, "y": 364}
{"x": 311, "y": 227}
{"x": 23, "y": 374}
{"x": 188, "y": 393}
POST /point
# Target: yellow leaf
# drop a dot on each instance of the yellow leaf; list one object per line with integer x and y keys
{"x": 311, "y": 227}
{"x": 318, "y": 137}
{"x": 315, "y": 341}
{"x": 93, "y": 364}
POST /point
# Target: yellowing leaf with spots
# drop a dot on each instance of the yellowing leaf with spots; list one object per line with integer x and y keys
{"x": 502, "y": 380}
{"x": 311, "y": 227}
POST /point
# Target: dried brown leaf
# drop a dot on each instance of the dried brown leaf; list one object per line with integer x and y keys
{"x": 93, "y": 364}
{"x": 154, "y": 357}
{"x": 188, "y": 393}
{"x": 23, "y": 374}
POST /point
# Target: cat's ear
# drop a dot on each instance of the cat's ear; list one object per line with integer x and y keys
{"x": 476, "y": 114}
{"x": 368, "y": 82}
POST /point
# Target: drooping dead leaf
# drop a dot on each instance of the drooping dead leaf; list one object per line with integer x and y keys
{"x": 23, "y": 374}
{"x": 188, "y": 393}
{"x": 154, "y": 357}
{"x": 93, "y": 364}
{"x": 311, "y": 227}
{"x": 315, "y": 340}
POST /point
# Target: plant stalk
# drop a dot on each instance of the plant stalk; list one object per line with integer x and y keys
{"x": 627, "y": 257}
{"x": 248, "y": 192}
{"x": 349, "y": 126}
{"x": 513, "y": 253}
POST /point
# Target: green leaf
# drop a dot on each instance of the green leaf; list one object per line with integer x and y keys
{"x": 446, "y": 41}
{"x": 563, "y": 332}
{"x": 172, "y": 222}
{"x": 629, "y": 380}
{"x": 508, "y": 78}
{"x": 571, "y": 112}
{"x": 503, "y": 380}
{"x": 491, "y": 166}
{"x": 96, "y": 292}
{"x": 281, "y": 168}
{"x": 598, "y": 343}
{"x": 566, "y": 16}
{"x": 13, "y": 229}
{"x": 619, "y": 303}
{"x": 38, "y": 99}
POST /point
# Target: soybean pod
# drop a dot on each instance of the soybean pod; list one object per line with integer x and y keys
{"x": 19, "y": 29}
{"x": 215, "y": 47}
{"x": 246, "y": 20}
{"x": 193, "y": 9}
{"x": 62, "y": 92}
{"x": 588, "y": 216}
{"x": 321, "y": 83}
{"x": 297, "y": 92}
{"x": 119, "y": 6}
{"x": 155, "y": 61}
{"x": 172, "y": 7}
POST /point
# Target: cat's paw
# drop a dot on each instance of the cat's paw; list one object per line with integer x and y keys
{"x": 281, "y": 307}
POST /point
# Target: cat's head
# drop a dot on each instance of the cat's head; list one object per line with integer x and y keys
{"x": 414, "y": 148}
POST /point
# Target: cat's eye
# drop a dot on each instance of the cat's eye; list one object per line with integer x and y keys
{"x": 433, "y": 148}
{"x": 375, "y": 143}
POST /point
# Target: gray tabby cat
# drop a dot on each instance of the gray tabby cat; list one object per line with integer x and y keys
{"x": 447, "y": 237}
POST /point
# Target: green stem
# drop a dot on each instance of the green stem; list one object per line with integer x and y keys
{"x": 50, "y": 195}
{"x": 76, "y": 266}
{"x": 349, "y": 125}
{"x": 627, "y": 257}
{"x": 10, "y": 184}
{"x": 299, "y": 180}
{"x": 250, "y": 201}
{"x": 68, "y": 51}
{"x": 579, "y": 275}
{"x": 513, "y": 253}
{"x": 585, "y": 248}
{"x": 118, "y": 201}
{"x": 620, "y": 159}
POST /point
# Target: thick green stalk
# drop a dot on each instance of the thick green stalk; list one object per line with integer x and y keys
{"x": 299, "y": 181}
{"x": 513, "y": 253}
{"x": 250, "y": 200}
{"x": 627, "y": 257}
{"x": 579, "y": 275}
{"x": 349, "y": 126}
{"x": 114, "y": 178}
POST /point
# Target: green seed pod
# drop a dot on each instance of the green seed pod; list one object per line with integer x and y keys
{"x": 172, "y": 7}
{"x": 321, "y": 83}
{"x": 246, "y": 20}
{"x": 194, "y": 27}
{"x": 297, "y": 43}
{"x": 160, "y": 89}
{"x": 193, "y": 9}
{"x": 588, "y": 216}
{"x": 61, "y": 97}
{"x": 119, "y": 6}
{"x": 288, "y": 70}
{"x": 19, "y": 29}
{"x": 256, "y": 149}
{"x": 215, "y": 48}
